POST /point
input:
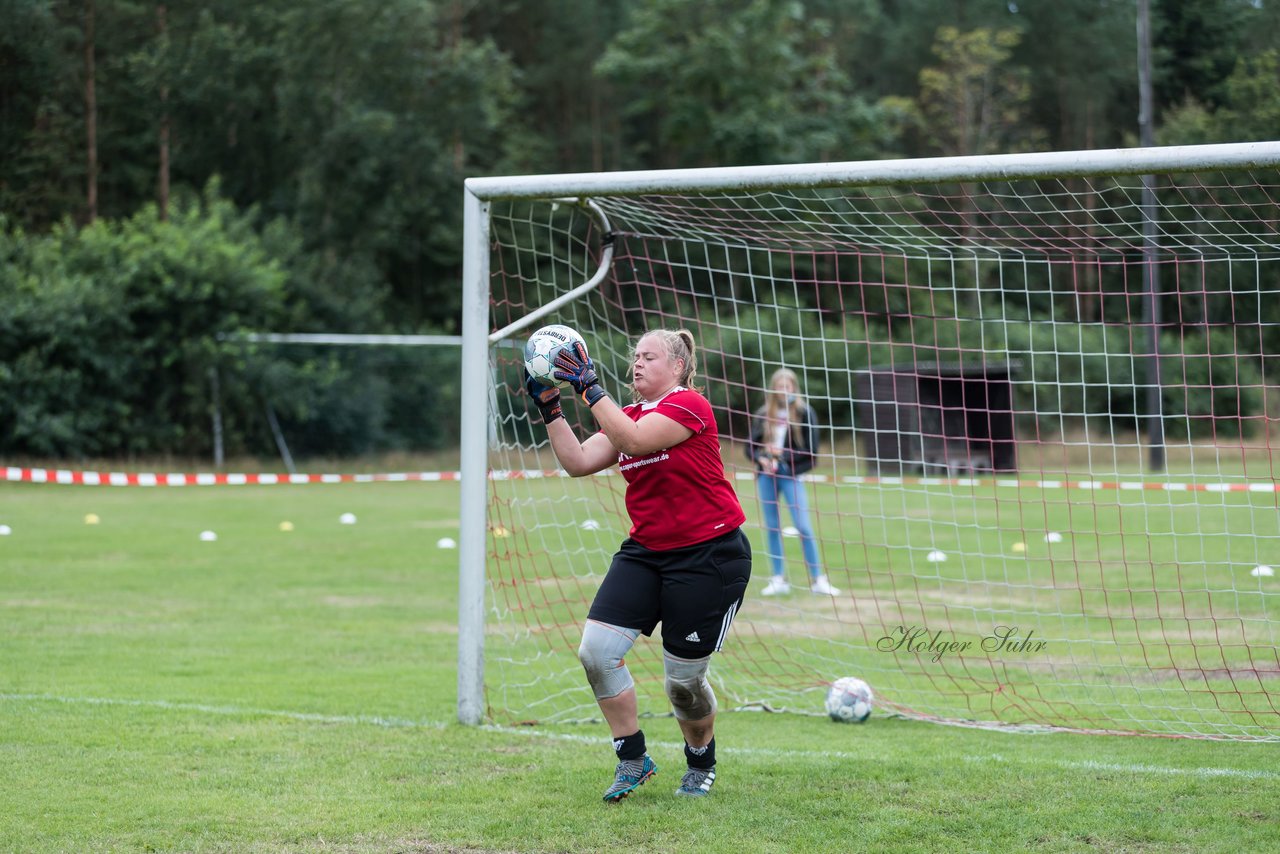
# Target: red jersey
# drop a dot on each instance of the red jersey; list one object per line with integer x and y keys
{"x": 679, "y": 496}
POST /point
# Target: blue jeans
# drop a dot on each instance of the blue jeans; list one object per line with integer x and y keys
{"x": 769, "y": 487}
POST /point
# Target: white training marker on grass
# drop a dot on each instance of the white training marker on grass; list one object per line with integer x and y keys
{"x": 936, "y": 556}
{"x": 208, "y": 536}
{"x": 5, "y": 530}
{"x": 347, "y": 518}
{"x": 446, "y": 543}
{"x": 1053, "y": 537}
{"x": 590, "y": 525}
{"x": 790, "y": 531}
{"x": 1262, "y": 571}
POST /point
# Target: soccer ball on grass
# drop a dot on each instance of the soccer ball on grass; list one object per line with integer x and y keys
{"x": 849, "y": 700}
{"x": 541, "y": 349}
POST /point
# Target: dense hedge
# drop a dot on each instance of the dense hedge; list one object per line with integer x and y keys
{"x": 114, "y": 337}
{"x": 1067, "y": 376}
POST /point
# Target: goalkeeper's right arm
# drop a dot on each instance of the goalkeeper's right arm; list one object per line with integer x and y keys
{"x": 546, "y": 397}
{"x": 577, "y": 458}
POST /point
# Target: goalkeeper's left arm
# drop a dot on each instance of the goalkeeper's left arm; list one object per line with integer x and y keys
{"x": 577, "y": 458}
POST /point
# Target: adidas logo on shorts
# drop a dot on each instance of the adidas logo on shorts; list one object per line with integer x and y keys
{"x": 693, "y": 636}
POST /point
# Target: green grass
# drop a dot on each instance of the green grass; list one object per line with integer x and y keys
{"x": 278, "y": 691}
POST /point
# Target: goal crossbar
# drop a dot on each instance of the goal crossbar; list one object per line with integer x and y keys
{"x": 1004, "y": 167}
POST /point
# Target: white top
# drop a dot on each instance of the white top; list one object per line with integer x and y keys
{"x": 778, "y": 435}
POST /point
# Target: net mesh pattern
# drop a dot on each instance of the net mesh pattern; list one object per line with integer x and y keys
{"x": 987, "y": 496}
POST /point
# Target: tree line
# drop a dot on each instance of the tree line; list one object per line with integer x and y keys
{"x": 173, "y": 173}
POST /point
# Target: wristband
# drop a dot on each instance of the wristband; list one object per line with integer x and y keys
{"x": 550, "y": 412}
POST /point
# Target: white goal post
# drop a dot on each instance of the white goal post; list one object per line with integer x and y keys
{"x": 984, "y": 341}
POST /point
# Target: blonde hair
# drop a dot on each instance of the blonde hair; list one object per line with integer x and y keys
{"x": 678, "y": 343}
{"x": 776, "y": 403}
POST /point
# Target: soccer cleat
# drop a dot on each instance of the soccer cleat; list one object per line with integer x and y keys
{"x": 776, "y": 586}
{"x": 823, "y": 587}
{"x": 629, "y": 776}
{"x": 696, "y": 782}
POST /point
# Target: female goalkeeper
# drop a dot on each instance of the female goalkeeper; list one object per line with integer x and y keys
{"x": 686, "y": 562}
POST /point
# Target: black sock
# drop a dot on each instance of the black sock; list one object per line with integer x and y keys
{"x": 630, "y": 746}
{"x": 701, "y": 757}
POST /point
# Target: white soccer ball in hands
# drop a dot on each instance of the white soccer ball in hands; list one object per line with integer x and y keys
{"x": 849, "y": 700}
{"x": 541, "y": 349}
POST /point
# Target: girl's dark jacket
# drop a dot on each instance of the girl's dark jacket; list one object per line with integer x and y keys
{"x": 799, "y": 448}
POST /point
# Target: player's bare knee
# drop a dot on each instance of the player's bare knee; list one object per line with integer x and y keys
{"x": 687, "y": 687}
{"x": 601, "y": 653}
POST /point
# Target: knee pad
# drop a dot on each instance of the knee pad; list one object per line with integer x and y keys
{"x": 601, "y": 652}
{"x": 687, "y": 687}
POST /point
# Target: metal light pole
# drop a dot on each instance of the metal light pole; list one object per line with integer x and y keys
{"x": 1150, "y": 251}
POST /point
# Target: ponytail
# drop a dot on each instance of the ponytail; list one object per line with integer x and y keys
{"x": 685, "y": 341}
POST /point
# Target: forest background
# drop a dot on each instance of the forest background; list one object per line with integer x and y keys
{"x": 174, "y": 174}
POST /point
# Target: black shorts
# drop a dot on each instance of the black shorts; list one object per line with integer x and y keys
{"x": 694, "y": 591}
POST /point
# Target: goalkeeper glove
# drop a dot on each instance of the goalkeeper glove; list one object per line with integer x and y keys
{"x": 547, "y": 397}
{"x": 574, "y": 367}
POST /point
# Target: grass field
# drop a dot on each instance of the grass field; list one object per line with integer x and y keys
{"x": 295, "y": 691}
{"x": 1145, "y": 607}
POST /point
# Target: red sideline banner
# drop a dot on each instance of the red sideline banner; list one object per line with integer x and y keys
{"x": 96, "y": 478}
{"x": 115, "y": 478}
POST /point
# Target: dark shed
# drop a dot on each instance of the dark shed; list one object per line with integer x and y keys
{"x": 937, "y": 418}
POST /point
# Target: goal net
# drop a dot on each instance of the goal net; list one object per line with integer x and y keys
{"x": 1046, "y": 489}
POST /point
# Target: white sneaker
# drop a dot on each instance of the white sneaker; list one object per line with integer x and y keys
{"x": 777, "y": 586}
{"x": 823, "y": 587}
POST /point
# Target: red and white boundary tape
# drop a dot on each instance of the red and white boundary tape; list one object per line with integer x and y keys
{"x": 1269, "y": 486}
{"x": 95, "y": 478}
{"x": 115, "y": 478}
